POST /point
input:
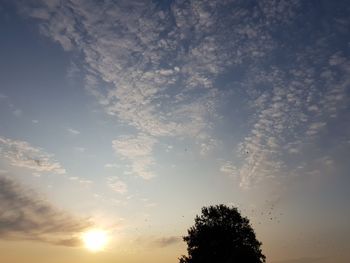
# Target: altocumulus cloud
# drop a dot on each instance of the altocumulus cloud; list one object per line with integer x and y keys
{"x": 26, "y": 216}
{"x": 138, "y": 149}
{"x": 22, "y": 154}
{"x": 166, "y": 72}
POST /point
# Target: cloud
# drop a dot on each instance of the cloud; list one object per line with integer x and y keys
{"x": 170, "y": 72}
{"x": 138, "y": 150}
{"x": 26, "y": 216}
{"x": 111, "y": 165}
{"x": 292, "y": 113}
{"x": 167, "y": 241}
{"x": 208, "y": 145}
{"x": 81, "y": 181}
{"x": 314, "y": 128}
{"x": 139, "y": 71}
{"x": 22, "y": 154}
{"x": 80, "y": 149}
{"x": 17, "y": 112}
{"x": 40, "y": 13}
{"x": 117, "y": 185}
{"x": 73, "y": 131}
{"x": 229, "y": 169}
{"x": 157, "y": 242}
{"x": 3, "y": 96}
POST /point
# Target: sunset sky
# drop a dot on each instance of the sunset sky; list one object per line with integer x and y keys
{"x": 129, "y": 116}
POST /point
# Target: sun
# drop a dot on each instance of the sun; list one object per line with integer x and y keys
{"x": 95, "y": 240}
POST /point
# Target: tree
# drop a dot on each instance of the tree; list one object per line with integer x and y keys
{"x": 221, "y": 235}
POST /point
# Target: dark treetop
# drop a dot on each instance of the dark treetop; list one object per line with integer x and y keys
{"x": 222, "y": 235}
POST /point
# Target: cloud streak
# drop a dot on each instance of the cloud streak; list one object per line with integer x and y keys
{"x": 167, "y": 241}
{"x": 157, "y": 242}
{"x": 117, "y": 185}
{"x": 73, "y": 131}
{"x": 22, "y": 154}
{"x": 26, "y": 216}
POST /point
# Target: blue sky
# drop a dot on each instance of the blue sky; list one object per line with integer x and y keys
{"x": 144, "y": 111}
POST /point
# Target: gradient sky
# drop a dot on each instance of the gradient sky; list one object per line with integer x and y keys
{"x": 131, "y": 115}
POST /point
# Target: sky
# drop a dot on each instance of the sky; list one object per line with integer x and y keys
{"x": 129, "y": 116}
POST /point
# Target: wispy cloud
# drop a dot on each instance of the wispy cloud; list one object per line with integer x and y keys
{"x": 157, "y": 242}
{"x": 229, "y": 169}
{"x": 117, "y": 185}
{"x": 17, "y": 112}
{"x": 22, "y": 154}
{"x": 80, "y": 149}
{"x": 167, "y": 241}
{"x": 111, "y": 165}
{"x": 3, "y": 96}
{"x": 137, "y": 150}
{"x": 82, "y": 181}
{"x": 26, "y": 216}
{"x": 73, "y": 131}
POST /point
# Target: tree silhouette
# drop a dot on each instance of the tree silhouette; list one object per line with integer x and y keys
{"x": 221, "y": 235}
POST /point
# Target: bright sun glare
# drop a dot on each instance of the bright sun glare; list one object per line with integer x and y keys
{"x": 95, "y": 240}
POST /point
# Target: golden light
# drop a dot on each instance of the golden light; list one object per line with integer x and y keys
{"x": 95, "y": 240}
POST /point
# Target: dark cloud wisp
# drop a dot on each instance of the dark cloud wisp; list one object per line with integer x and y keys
{"x": 25, "y": 216}
{"x": 167, "y": 241}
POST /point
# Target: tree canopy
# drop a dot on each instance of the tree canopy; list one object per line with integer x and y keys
{"x": 221, "y": 235}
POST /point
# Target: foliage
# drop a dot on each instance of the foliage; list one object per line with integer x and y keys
{"x": 222, "y": 235}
